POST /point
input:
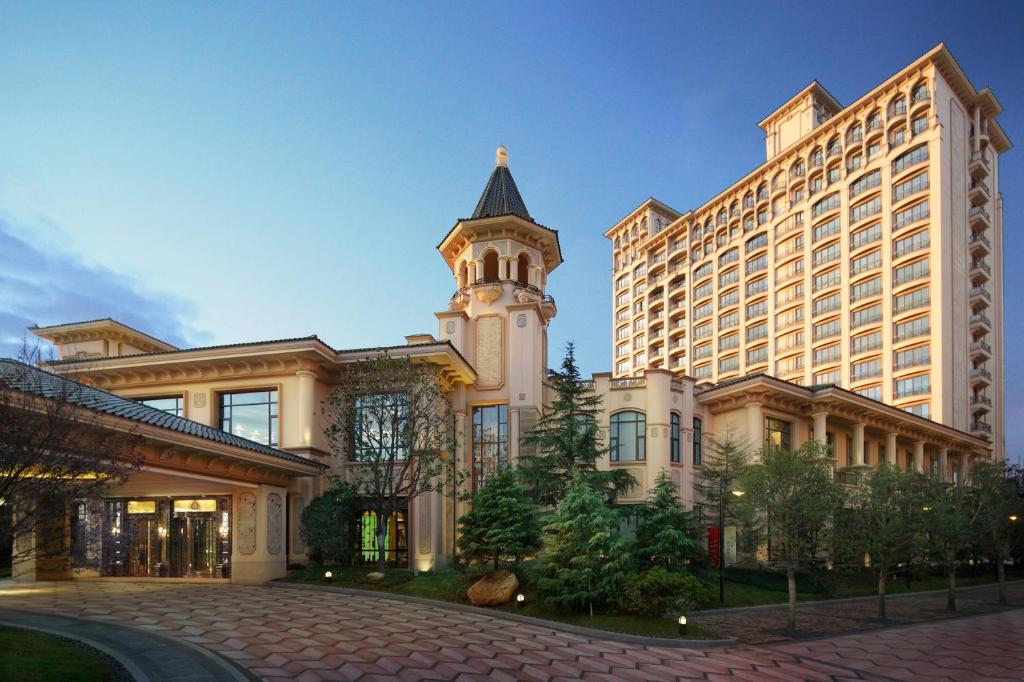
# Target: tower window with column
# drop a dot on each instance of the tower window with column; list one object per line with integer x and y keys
{"x": 490, "y": 441}
{"x": 778, "y": 433}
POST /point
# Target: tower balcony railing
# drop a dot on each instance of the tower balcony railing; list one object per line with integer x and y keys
{"x": 495, "y": 280}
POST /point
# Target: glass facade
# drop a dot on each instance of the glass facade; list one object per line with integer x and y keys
{"x": 153, "y": 537}
{"x": 170, "y": 404}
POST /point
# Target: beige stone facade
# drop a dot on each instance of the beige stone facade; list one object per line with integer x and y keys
{"x": 866, "y": 252}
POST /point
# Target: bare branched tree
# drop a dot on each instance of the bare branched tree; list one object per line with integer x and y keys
{"x": 391, "y": 422}
{"x": 55, "y": 448}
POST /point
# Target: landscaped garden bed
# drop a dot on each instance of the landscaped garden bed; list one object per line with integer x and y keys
{"x": 29, "y": 656}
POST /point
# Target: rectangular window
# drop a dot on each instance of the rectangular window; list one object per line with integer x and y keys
{"x": 702, "y": 311}
{"x": 730, "y": 320}
{"x": 826, "y": 304}
{"x": 777, "y": 433}
{"x": 729, "y": 342}
{"x": 698, "y": 441}
{"x": 702, "y": 372}
{"x": 825, "y": 204}
{"x": 674, "y": 452}
{"x": 866, "y": 369}
{"x": 826, "y": 229}
{"x": 866, "y": 235}
{"x": 865, "y": 210}
{"x": 756, "y": 242}
{"x": 702, "y": 271}
{"x": 825, "y": 330}
{"x": 910, "y": 215}
{"x": 919, "y": 125}
{"x": 873, "y": 392}
{"x": 872, "y": 313}
{"x": 623, "y": 367}
{"x": 703, "y": 290}
{"x": 702, "y": 351}
{"x": 918, "y": 298}
{"x": 866, "y": 342}
{"x": 730, "y": 256}
{"x": 911, "y": 271}
{"x": 916, "y": 184}
{"x": 829, "y": 278}
{"x": 918, "y": 385}
{"x": 911, "y": 158}
{"x": 251, "y": 415}
{"x": 868, "y": 261}
{"x": 757, "y": 309}
{"x": 729, "y": 364}
{"x": 729, "y": 298}
{"x": 757, "y": 286}
{"x": 757, "y": 331}
{"x": 921, "y": 410}
{"x": 912, "y": 357}
{"x": 757, "y": 355}
{"x": 831, "y": 377}
{"x": 827, "y": 354}
{"x": 727, "y": 278}
{"x": 869, "y": 287}
{"x": 490, "y": 441}
{"x": 863, "y": 184}
{"x": 920, "y": 326}
{"x": 826, "y": 254}
{"x": 170, "y": 404}
{"x": 703, "y": 331}
{"x": 911, "y": 243}
{"x": 756, "y": 264}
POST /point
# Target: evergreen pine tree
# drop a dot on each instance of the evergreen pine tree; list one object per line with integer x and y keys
{"x": 585, "y": 562}
{"x": 667, "y": 535}
{"x": 715, "y": 482}
{"x": 502, "y": 524}
{"x": 566, "y": 440}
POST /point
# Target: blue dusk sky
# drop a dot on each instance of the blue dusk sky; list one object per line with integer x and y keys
{"x": 222, "y": 172}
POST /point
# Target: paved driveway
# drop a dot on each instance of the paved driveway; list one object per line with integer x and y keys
{"x": 311, "y": 635}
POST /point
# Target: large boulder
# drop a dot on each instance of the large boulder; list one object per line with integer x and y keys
{"x": 374, "y": 577}
{"x": 494, "y": 589}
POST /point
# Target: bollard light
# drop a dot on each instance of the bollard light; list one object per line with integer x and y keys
{"x": 328, "y": 576}
{"x": 682, "y": 626}
{"x": 521, "y": 600}
{"x": 1013, "y": 517}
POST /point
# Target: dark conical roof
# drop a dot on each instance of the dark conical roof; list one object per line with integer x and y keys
{"x": 501, "y": 196}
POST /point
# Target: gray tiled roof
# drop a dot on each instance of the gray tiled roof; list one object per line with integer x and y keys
{"x": 31, "y": 379}
{"x": 501, "y": 197}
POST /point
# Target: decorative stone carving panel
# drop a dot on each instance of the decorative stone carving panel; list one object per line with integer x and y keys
{"x": 489, "y": 351}
{"x": 247, "y": 523}
{"x": 274, "y": 522}
{"x": 423, "y": 525}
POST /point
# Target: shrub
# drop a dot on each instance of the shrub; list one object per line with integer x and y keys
{"x": 328, "y": 525}
{"x": 657, "y": 591}
{"x": 502, "y": 525}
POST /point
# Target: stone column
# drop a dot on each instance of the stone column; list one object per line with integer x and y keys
{"x": 659, "y": 401}
{"x": 944, "y": 464}
{"x": 919, "y": 456}
{"x": 858, "y": 445}
{"x": 305, "y": 417}
{"x": 965, "y": 467}
{"x": 890, "y": 448}
{"x": 755, "y": 425}
{"x": 820, "y": 426}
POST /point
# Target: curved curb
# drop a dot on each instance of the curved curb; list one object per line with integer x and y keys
{"x": 152, "y": 666}
{"x": 557, "y": 626}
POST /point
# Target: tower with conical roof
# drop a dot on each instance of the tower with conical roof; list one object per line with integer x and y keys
{"x": 498, "y": 318}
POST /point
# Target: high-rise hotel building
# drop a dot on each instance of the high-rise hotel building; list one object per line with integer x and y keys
{"x": 866, "y": 252}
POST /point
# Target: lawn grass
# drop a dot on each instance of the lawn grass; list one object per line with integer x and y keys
{"x": 37, "y": 657}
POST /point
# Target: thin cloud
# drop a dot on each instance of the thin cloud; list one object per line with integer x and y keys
{"x": 50, "y": 286}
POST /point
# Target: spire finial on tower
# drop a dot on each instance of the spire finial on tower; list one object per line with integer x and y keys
{"x": 501, "y": 157}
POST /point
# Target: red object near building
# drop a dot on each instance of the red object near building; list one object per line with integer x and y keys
{"x": 713, "y": 546}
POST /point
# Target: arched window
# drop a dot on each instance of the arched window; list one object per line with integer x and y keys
{"x": 698, "y": 446}
{"x": 674, "y": 452}
{"x": 618, "y": 242}
{"x": 919, "y": 93}
{"x": 898, "y": 107}
{"x": 523, "y": 269}
{"x": 627, "y": 436}
{"x": 491, "y": 265}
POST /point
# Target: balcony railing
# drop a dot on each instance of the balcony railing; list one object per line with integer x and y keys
{"x": 978, "y": 318}
{"x": 981, "y": 346}
{"x": 980, "y": 373}
{"x": 633, "y": 382}
{"x": 981, "y": 265}
{"x": 981, "y": 291}
{"x": 981, "y": 426}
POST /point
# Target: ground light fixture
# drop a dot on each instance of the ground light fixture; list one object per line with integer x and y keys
{"x": 521, "y": 600}
{"x": 328, "y": 576}
{"x": 682, "y": 625}
{"x": 1013, "y": 517}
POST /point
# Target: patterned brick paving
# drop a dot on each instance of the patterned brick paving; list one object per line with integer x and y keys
{"x": 295, "y": 634}
{"x": 764, "y": 626}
